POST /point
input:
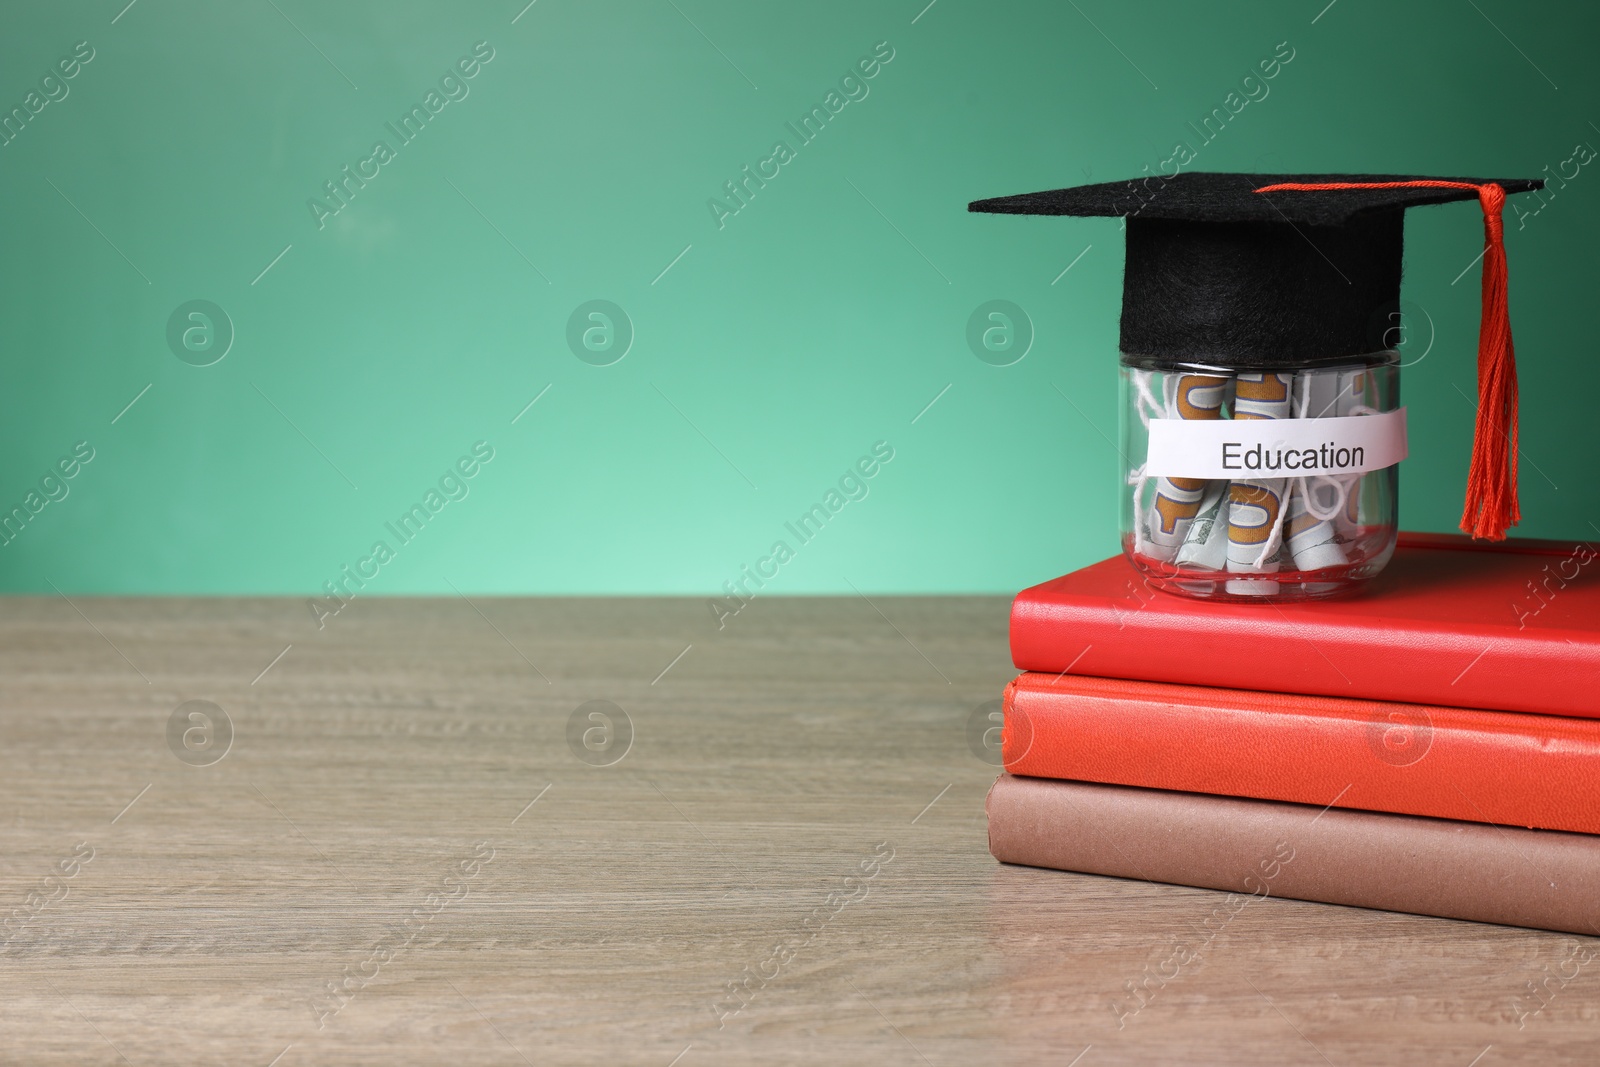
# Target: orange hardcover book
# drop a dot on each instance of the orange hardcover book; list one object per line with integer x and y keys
{"x": 1512, "y": 769}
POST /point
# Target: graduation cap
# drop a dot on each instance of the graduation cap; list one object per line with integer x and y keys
{"x": 1272, "y": 270}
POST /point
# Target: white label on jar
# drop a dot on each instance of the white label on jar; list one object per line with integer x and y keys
{"x": 1276, "y": 448}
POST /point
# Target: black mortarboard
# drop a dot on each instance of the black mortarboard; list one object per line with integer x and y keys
{"x": 1263, "y": 270}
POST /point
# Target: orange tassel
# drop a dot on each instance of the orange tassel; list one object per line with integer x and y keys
{"x": 1491, "y": 505}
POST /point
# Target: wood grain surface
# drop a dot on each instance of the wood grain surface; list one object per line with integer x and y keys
{"x": 401, "y": 858}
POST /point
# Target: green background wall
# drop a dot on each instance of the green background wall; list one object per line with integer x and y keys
{"x": 820, "y": 319}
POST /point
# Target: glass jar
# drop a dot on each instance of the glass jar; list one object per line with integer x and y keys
{"x": 1237, "y": 489}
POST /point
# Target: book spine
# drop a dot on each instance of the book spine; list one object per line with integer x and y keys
{"x": 1511, "y": 769}
{"x": 1549, "y": 881}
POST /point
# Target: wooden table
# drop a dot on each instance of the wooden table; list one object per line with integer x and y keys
{"x": 401, "y": 858}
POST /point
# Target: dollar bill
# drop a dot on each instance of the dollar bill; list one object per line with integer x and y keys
{"x": 1176, "y": 502}
{"x": 1205, "y": 546}
{"x": 1255, "y": 506}
{"x": 1358, "y": 395}
{"x": 1311, "y": 530}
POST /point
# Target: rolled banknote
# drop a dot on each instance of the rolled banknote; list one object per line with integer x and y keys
{"x": 1176, "y": 501}
{"x": 1310, "y": 530}
{"x": 1312, "y": 538}
{"x": 1205, "y": 546}
{"x": 1256, "y": 505}
{"x": 1358, "y": 395}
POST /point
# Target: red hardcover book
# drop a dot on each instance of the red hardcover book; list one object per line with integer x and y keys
{"x": 1258, "y": 848}
{"x": 1535, "y": 771}
{"x": 1509, "y": 627}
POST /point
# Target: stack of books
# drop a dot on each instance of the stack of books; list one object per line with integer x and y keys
{"x": 1431, "y": 746}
